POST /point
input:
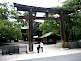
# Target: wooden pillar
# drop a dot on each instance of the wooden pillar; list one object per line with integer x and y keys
{"x": 46, "y": 14}
{"x": 62, "y": 30}
{"x": 30, "y": 36}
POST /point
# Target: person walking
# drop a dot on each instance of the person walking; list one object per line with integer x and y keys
{"x": 41, "y": 46}
{"x": 38, "y": 47}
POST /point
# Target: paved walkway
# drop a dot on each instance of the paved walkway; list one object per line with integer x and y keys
{"x": 49, "y": 51}
{"x": 69, "y": 57}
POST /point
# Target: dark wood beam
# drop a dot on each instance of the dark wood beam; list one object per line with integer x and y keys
{"x": 45, "y": 10}
{"x": 47, "y": 18}
{"x": 62, "y": 30}
{"x": 30, "y": 34}
{"x": 49, "y": 11}
{"x": 46, "y": 14}
{"x": 42, "y": 18}
{"x": 21, "y": 7}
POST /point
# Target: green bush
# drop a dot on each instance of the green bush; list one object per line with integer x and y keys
{"x": 73, "y": 40}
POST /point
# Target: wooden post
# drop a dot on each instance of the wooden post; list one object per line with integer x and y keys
{"x": 62, "y": 30}
{"x": 30, "y": 36}
{"x": 46, "y": 14}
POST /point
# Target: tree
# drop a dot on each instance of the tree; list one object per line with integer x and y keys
{"x": 4, "y": 11}
{"x": 36, "y": 30}
{"x": 72, "y": 4}
{"x": 9, "y": 30}
{"x": 72, "y": 27}
{"x": 50, "y": 26}
{"x": 26, "y": 21}
{"x": 8, "y": 12}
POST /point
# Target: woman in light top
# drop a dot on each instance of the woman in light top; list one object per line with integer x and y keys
{"x": 41, "y": 46}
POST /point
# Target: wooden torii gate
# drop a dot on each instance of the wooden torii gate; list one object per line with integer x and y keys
{"x": 31, "y": 9}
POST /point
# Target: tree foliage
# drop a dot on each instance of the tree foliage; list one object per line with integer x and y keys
{"x": 8, "y": 12}
{"x": 9, "y": 30}
{"x": 72, "y": 27}
{"x": 36, "y": 30}
{"x": 50, "y": 26}
{"x": 72, "y": 4}
{"x": 3, "y": 11}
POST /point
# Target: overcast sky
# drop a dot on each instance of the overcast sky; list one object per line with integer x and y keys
{"x": 38, "y": 3}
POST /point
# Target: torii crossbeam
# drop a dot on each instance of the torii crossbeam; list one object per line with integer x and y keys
{"x": 41, "y": 18}
{"x": 31, "y": 9}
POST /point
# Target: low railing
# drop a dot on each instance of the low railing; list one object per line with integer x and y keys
{"x": 12, "y": 49}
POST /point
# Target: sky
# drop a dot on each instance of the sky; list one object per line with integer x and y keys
{"x": 37, "y": 3}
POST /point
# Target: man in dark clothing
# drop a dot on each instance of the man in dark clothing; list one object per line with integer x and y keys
{"x": 38, "y": 47}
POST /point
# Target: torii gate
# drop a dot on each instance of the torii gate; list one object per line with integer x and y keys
{"x": 31, "y": 9}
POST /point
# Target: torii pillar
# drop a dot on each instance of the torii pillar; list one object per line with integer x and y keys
{"x": 40, "y": 9}
{"x": 30, "y": 32}
{"x": 62, "y": 30}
